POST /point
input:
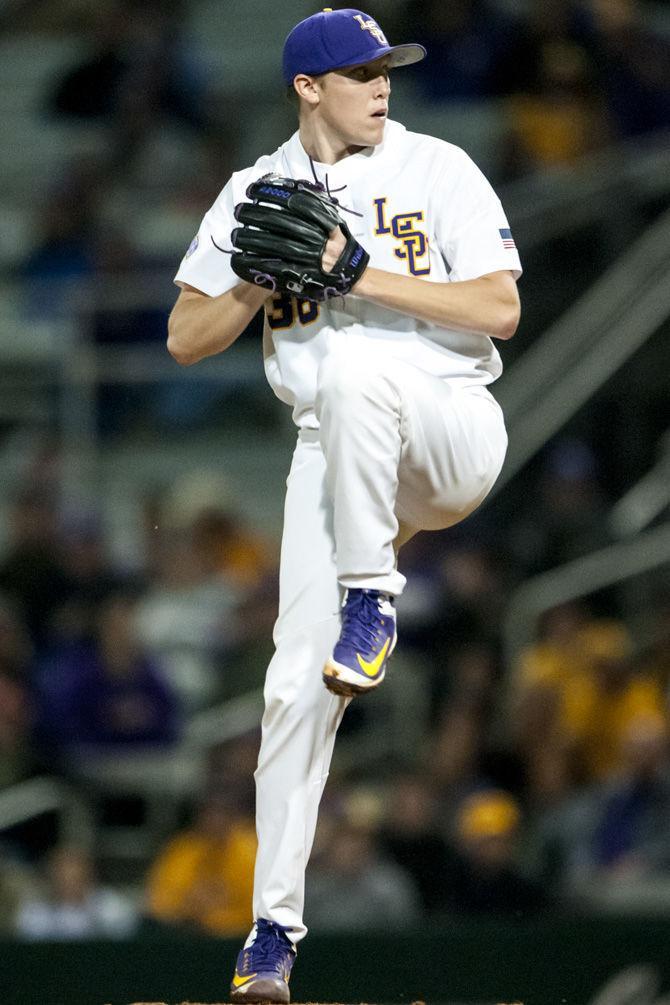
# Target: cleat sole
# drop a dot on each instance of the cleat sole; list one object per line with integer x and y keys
{"x": 342, "y": 687}
{"x": 274, "y": 992}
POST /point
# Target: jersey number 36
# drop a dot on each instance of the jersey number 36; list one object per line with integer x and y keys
{"x": 286, "y": 310}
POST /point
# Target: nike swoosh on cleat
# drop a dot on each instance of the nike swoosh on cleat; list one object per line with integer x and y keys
{"x": 239, "y": 981}
{"x": 372, "y": 668}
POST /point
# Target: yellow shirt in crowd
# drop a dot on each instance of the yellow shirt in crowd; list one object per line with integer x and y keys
{"x": 589, "y": 716}
{"x": 206, "y": 881}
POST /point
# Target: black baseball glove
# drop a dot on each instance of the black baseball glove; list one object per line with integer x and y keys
{"x": 284, "y": 231}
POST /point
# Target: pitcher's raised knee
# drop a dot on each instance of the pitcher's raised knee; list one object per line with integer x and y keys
{"x": 342, "y": 380}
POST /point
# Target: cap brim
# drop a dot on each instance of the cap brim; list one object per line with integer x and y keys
{"x": 401, "y": 55}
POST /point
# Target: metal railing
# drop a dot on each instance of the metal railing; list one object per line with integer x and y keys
{"x": 579, "y": 578}
{"x": 555, "y": 377}
{"x": 646, "y": 500}
{"x": 33, "y": 798}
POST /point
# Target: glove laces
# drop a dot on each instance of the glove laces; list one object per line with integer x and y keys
{"x": 329, "y": 191}
{"x": 268, "y": 281}
{"x": 263, "y": 279}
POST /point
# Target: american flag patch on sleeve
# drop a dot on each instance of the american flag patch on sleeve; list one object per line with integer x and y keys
{"x": 507, "y": 239}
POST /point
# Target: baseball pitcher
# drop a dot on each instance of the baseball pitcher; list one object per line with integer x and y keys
{"x": 385, "y": 267}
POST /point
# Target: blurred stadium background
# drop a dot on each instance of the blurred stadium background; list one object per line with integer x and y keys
{"x": 497, "y": 823}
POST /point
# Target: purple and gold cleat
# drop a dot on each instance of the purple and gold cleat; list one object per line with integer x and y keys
{"x": 264, "y": 965}
{"x": 367, "y": 639}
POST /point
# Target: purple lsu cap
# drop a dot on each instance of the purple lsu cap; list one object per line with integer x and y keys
{"x": 336, "y": 38}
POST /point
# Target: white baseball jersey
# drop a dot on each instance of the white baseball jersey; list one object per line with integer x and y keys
{"x": 397, "y": 433}
{"x": 426, "y": 210}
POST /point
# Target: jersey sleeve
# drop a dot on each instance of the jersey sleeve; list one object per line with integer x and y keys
{"x": 473, "y": 232}
{"x": 204, "y": 266}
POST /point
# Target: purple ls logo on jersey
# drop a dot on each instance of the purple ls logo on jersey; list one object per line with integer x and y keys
{"x": 404, "y": 227}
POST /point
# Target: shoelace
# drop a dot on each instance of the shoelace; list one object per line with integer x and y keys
{"x": 361, "y": 621}
{"x": 270, "y": 948}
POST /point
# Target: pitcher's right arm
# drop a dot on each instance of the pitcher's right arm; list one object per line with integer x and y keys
{"x": 200, "y": 325}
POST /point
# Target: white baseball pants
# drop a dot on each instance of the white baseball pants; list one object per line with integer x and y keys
{"x": 398, "y": 450}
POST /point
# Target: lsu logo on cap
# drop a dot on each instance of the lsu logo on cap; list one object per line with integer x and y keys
{"x": 371, "y": 26}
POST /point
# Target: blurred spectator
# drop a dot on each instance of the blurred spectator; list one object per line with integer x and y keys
{"x": 90, "y": 90}
{"x": 125, "y": 303}
{"x": 633, "y": 832}
{"x": 561, "y": 119}
{"x": 468, "y": 746}
{"x": 420, "y": 603}
{"x": 617, "y": 830}
{"x": 15, "y": 647}
{"x": 17, "y": 885}
{"x": 256, "y": 616}
{"x": 454, "y": 751}
{"x": 456, "y": 593}
{"x": 566, "y": 516}
{"x": 537, "y": 719}
{"x": 31, "y": 572}
{"x": 187, "y": 617}
{"x": 89, "y": 272}
{"x": 213, "y": 578}
{"x": 653, "y": 657}
{"x": 203, "y": 878}
{"x": 468, "y": 42}
{"x": 74, "y": 905}
{"x": 17, "y": 759}
{"x": 106, "y": 695}
{"x": 64, "y": 253}
{"x": 633, "y": 60}
{"x": 228, "y": 548}
{"x": 140, "y": 75}
{"x": 235, "y": 553}
{"x": 470, "y": 679}
{"x": 474, "y": 593}
{"x": 230, "y": 768}
{"x": 541, "y": 27}
{"x": 579, "y": 691}
{"x": 351, "y": 886}
{"x": 483, "y": 876}
{"x": 136, "y": 73}
{"x": 410, "y": 837}
{"x": 134, "y": 312}
{"x": 91, "y": 577}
